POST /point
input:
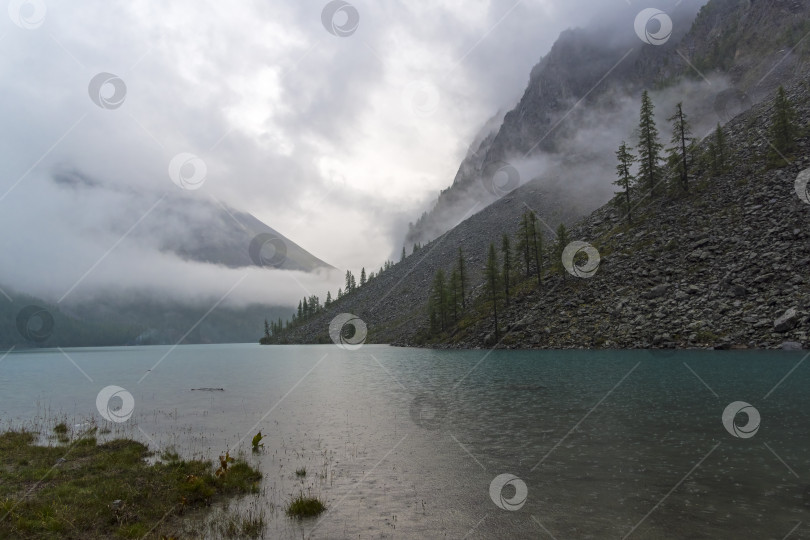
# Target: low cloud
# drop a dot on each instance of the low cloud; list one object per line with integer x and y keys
{"x": 319, "y": 136}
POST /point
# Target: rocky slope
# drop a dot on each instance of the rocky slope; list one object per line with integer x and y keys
{"x": 723, "y": 266}
{"x": 393, "y": 304}
{"x": 715, "y": 268}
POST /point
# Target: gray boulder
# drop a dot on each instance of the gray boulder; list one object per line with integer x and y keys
{"x": 788, "y": 321}
{"x": 656, "y": 292}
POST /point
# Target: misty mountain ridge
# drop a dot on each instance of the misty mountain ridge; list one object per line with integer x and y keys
{"x": 203, "y": 229}
{"x": 126, "y": 319}
{"x": 191, "y": 226}
{"x": 581, "y": 97}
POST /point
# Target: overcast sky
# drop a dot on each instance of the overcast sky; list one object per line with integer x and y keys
{"x": 337, "y": 141}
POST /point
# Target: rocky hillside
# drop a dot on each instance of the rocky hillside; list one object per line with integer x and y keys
{"x": 716, "y": 267}
{"x": 724, "y": 266}
{"x": 393, "y": 303}
{"x": 745, "y": 40}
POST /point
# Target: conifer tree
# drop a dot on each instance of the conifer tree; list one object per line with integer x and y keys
{"x": 625, "y": 181}
{"x": 506, "y": 250}
{"x": 402, "y": 257}
{"x": 539, "y": 248}
{"x": 523, "y": 243}
{"x": 535, "y": 244}
{"x": 439, "y": 298}
{"x": 433, "y": 318}
{"x": 681, "y": 138}
{"x": 649, "y": 148}
{"x": 493, "y": 279}
{"x": 348, "y": 281}
{"x": 783, "y": 125}
{"x": 363, "y": 276}
{"x": 453, "y": 296}
{"x": 559, "y": 247}
{"x": 266, "y": 331}
{"x": 462, "y": 277}
{"x": 328, "y": 301}
{"x": 300, "y": 310}
{"x": 719, "y": 154}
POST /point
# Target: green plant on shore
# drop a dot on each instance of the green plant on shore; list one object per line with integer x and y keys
{"x": 61, "y": 431}
{"x": 90, "y": 490}
{"x": 257, "y": 439}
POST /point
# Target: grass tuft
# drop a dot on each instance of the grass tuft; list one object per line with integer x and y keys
{"x": 87, "y": 490}
{"x": 303, "y": 507}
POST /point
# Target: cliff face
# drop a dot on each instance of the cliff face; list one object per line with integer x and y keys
{"x": 591, "y": 68}
{"x": 716, "y": 267}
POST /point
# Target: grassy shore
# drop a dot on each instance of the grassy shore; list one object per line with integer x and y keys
{"x": 78, "y": 488}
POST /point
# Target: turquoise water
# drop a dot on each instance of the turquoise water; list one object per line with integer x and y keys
{"x": 407, "y": 443}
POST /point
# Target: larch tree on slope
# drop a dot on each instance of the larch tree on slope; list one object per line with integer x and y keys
{"x": 649, "y": 147}
{"x": 783, "y": 132}
{"x": 506, "y": 250}
{"x": 680, "y": 154}
{"x": 493, "y": 280}
{"x": 626, "y": 178}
